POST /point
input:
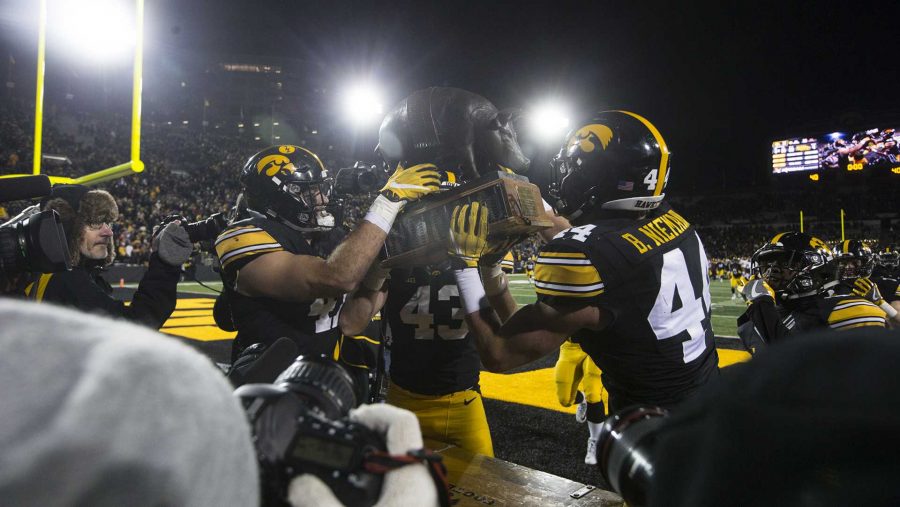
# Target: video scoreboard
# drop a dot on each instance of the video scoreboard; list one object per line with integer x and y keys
{"x": 790, "y": 155}
{"x": 873, "y": 149}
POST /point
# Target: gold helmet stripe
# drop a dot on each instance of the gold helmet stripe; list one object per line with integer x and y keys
{"x": 664, "y": 150}
{"x": 846, "y": 246}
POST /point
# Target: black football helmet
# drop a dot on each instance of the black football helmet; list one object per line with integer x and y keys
{"x": 290, "y": 184}
{"x": 853, "y": 259}
{"x": 889, "y": 257}
{"x": 618, "y": 161}
{"x": 794, "y": 264}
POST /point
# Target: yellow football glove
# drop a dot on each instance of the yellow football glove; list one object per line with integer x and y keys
{"x": 866, "y": 289}
{"x": 468, "y": 233}
{"x": 409, "y": 184}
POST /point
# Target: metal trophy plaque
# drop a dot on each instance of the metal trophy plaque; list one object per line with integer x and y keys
{"x": 421, "y": 233}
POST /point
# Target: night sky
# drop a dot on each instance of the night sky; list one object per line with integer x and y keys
{"x": 720, "y": 81}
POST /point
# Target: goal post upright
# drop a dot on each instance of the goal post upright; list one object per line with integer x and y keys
{"x": 134, "y": 165}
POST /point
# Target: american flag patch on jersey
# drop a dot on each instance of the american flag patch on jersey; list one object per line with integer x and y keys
{"x": 626, "y": 185}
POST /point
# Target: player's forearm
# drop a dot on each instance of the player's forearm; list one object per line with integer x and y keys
{"x": 559, "y": 224}
{"x": 484, "y": 326}
{"x": 481, "y": 319}
{"x": 516, "y": 342}
{"x": 503, "y": 304}
{"x": 359, "y": 310}
{"x": 496, "y": 287}
{"x": 350, "y": 261}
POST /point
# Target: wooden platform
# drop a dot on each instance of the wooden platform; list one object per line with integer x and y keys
{"x": 478, "y": 480}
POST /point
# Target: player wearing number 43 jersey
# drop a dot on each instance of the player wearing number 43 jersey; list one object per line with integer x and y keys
{"x": 629, "y": 282}
{"x": 434, "y": 365}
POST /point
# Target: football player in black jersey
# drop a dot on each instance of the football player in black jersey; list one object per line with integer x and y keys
{"x": 720, "y": 270}
{"x": 628, "y": 282}
{"x": 434, "y": 365}
{"x": 508, "y": 264}
{"x": 287, "y": 269}
{"x": 736, "y": 272}
{"x": 794, "y": 291}
{"x": 854, "y": 265}
{"x": 887, "y": 275}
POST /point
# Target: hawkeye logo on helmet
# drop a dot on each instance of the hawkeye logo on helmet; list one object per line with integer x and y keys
{"x": 818, "y": 243}
{"x": 587, "y": 137}
{"x": 273, "y": 164}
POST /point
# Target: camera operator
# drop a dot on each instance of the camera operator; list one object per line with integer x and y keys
{"x": 33, "y": 241}
{"x": 94, "y": 419}
{"x": 87, "y": 217}
{"x": 287, "y": 270}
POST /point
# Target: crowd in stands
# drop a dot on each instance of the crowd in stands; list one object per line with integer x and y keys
{"x": 193, "y": 172}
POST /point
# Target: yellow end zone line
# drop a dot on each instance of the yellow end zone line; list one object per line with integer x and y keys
{"x": 537, "y": 388}
{"x": 200, "y": 333}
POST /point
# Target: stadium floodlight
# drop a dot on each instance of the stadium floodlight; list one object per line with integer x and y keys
{"x": 101, "y": 30}
{"x": 549, "y": 121}
{"x": 363, "y": 104}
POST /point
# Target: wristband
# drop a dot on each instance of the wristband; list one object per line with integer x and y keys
{"x": 888, "y": 309}
{"x": 382, "y": 212}
{"x": 494, "y": 279}
{"x": 471, "y": 292}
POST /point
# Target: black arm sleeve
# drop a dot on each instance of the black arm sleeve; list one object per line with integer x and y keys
{"x": 151, "y": 305}
{"x": 78, "y": 289}
{"x": 154, "y": 300}
{"x": 761, "y": 325}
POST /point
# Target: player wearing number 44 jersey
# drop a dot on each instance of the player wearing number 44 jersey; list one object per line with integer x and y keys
{"x": 628, "y": 283}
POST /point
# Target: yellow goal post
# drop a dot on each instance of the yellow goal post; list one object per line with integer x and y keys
{"x": 135, "y": 165}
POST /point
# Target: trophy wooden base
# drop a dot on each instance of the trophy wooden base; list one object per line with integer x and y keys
{"x": 421, "y": 233}
{"x": 477, "y": 480}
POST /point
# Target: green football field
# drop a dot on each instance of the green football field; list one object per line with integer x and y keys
{"x": 724, "y": 310}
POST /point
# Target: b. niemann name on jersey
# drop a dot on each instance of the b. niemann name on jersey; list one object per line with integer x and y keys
{"x": 656, "y": 232}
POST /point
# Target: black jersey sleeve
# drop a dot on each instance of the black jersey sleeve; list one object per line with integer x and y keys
{"x": 761, "y": 325}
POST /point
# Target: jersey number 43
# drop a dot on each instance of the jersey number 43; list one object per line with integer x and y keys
{"x": 435, "y": 320}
